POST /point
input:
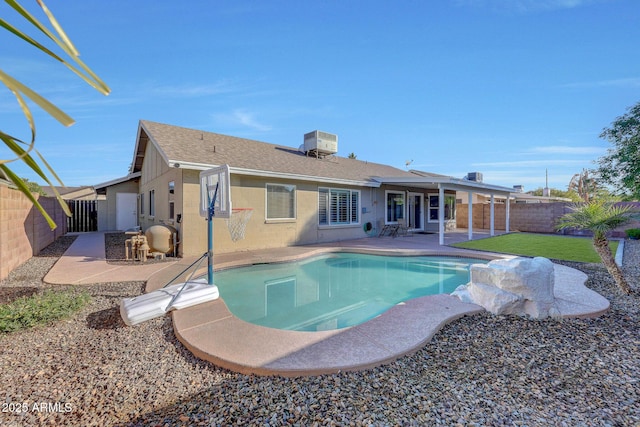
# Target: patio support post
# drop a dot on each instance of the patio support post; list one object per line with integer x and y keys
{"x": 440, "y": 214}
{"x": 491, "y": 227}
{"x": 470, "y": 216}
{"x": 507, "y": 213}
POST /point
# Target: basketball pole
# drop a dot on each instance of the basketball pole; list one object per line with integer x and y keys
{"x": 210, "y": 215}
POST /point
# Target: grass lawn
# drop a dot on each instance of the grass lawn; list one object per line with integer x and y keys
{"x": 565, "y": 248}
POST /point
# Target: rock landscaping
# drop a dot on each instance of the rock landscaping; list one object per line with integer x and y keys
{"x": 483, "y": 370}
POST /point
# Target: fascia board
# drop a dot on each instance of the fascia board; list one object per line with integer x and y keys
{"x": 270, "y": 174}
{"x": 135, "y": 148}
{"x": 448, "y": 183}
{"x": 153, "y": 141}
{"x": 118, "y": 180}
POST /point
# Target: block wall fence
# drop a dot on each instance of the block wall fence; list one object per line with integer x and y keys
{"x": 526, "y": 217}
{"x": 23, "y": 230}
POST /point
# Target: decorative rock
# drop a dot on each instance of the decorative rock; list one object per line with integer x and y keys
{"x": 521, "y": 286}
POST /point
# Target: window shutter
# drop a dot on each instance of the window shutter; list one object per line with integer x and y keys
{"x": 323, "y": 206}
{"x": 354, "y": 207}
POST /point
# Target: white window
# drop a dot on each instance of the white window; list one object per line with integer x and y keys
{"x": 449, "y": 207}
{"x": 395, "y": 206}
{"x": 172, "y": 190}
{"x": 338, "y": 206}
{"x": 281, "y": 201}
{"x": 152, "y": 203}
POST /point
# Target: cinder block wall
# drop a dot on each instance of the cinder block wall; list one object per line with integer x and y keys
{"x": 23, "y": 230}
{"x": 526, "y": 217}
{"x": 537, "y": 217}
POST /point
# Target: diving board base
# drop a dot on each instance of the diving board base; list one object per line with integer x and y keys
{"x": 156, "y": 304}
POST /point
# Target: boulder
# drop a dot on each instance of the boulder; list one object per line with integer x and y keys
{"x": 522, "y": 286}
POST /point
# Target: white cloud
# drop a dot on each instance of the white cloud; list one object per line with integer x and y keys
{"x": 191, "y": 91}
{"x": 530, "y": 163}
{"x": 626, "y": 83}
{"x": 240, "y": 117}
{"x": 565, "y": 149}
{"x": 526, "y": 6}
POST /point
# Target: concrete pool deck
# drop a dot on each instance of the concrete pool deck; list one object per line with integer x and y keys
{"x": 214, "y": 334}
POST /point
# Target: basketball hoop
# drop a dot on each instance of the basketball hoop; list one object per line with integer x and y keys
{"x": 237, "y": 222}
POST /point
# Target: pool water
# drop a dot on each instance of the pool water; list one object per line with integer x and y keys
{"x": 337, "y": 290}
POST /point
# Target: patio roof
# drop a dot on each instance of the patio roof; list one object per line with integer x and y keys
{"x": 447, "y": 183}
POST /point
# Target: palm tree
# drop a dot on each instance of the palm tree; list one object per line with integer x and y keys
{"x": 600, "y": 218}
{"x": 584, "y": 185}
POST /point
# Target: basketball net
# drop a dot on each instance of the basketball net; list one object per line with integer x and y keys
{"x": 237, "y": 222}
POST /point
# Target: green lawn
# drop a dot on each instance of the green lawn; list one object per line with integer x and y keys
{"x": 549, "y": 246}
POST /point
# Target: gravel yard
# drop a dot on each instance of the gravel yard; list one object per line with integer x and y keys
{"x": 480, "y": 370}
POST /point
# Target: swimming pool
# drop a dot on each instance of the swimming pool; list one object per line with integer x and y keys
{"x": 336, "y": 290}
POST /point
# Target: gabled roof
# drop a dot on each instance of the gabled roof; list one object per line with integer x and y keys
{"x": 199, "y": 150}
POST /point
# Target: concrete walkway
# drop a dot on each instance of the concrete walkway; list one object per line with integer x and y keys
{"x": 213, "y": 333}
{"x": 85, "y": 263}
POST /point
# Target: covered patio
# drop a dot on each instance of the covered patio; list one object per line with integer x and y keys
{"x": 440, "y": 184}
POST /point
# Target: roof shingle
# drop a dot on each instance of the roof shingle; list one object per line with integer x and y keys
{"x": 195, "y": 146}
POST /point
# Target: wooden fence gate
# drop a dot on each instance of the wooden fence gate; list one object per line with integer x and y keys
{"x": 84, "y": 215}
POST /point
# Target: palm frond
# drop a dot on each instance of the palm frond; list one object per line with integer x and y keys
{"x": 20, "y": 184}
{"x": 596, "y": 216}
{"x": 19, "y": 147}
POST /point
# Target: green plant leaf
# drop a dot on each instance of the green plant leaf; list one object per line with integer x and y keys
{"x": 64, "y": 43}
{"x": 54, "y": 111}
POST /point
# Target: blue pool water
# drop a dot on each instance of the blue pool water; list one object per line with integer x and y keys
{"x": 337, "y": 290}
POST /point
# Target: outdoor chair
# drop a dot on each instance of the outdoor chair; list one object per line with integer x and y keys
{"x": 401, "y": 228}
{"x": 388, "y": 230}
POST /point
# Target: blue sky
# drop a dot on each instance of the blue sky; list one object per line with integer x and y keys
{"x": 509, "y": 88}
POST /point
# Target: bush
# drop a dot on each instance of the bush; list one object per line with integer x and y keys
{"x": 633, "y": 233}
{"x": 40, "y": 309}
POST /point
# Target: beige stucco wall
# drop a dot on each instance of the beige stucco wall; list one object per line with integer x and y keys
{"x": 156, "y": 175}
{"x": 260, "y": 233}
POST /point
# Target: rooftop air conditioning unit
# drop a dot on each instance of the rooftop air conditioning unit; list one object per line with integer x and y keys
{"x": 320, "y": 143}
{"x": 474, "y": 176}
{"x": 518, "y": 188}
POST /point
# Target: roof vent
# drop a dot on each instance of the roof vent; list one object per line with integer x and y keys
{"x": 320, "y": 143}
{"x": 474, "y": 176}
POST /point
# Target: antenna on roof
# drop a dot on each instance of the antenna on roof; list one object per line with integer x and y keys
{"x": 407, "y": 163}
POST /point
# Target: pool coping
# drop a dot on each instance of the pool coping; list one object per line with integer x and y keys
{"x": 212, "y": 333}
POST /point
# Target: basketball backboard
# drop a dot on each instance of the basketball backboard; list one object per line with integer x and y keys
{"x": 215, "y": 184}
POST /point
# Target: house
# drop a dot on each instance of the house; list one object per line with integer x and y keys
{"x": 298, "y": 197}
